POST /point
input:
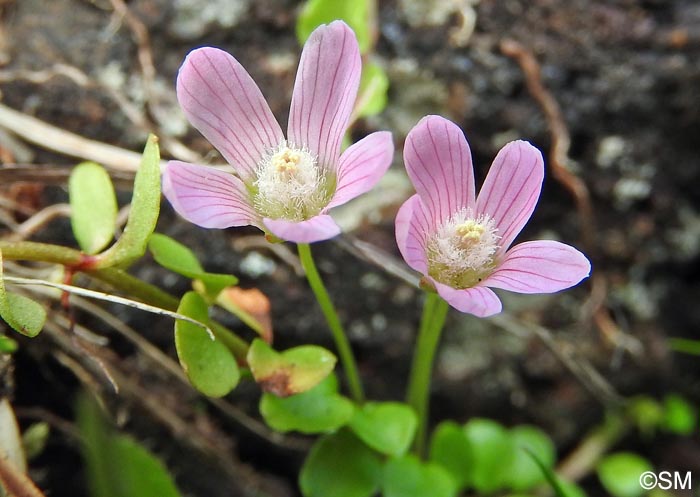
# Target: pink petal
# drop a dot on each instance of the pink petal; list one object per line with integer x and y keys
{"x": 439, "y": 163}
{"x": 223, "y": 102}
{"x": 362, "y": 165}
{"x": 412, "y": 228}
{"x": 511, "y": 189}
{"x": 325, "y": 91}
{"x": 479, "y": 301}
{"x": 207, "y": 197}
{"x": 543, "y": 266}
{"x": 316, "y": 229}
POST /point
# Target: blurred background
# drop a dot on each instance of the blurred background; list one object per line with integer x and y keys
{"x": 608, "y": 90}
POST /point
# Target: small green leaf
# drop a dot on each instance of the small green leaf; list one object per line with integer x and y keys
{"x": 22, "y": 314}
{"x": 355, "y": 14}
{"x": 209, "y": 365}
{"x": 372, "y": 95}
{"x": 7, "y": 345}
{"x": 140, "y": 472}
{"x": 407, "y": 476}
{"x": 93, "y": 206}
{"x": 619, "y": 473}
{"x": 388, "y": 427}
{"x": 684, "y": 345}
{"x": 679, "y": 416}
{"x": 116, "y": 465}
{"x": 450, "y": 448}
{"x": 290, "y": 372}
{"x": 34, "y": 439}
{"x": 529, "y": 441}
{"x": 646, "y": 413}
{"x": 561, "y": 487}
{"x": 493, "y": 453}
{"x": 178, "y": 258}
{"x": 145, "y": 206}
{"x": 340, "y": 465}
{"x": 319, "y": 410}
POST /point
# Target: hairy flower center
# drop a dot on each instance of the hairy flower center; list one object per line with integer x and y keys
{"x": 290, "y": 184}
{"x": 461, "y": 251}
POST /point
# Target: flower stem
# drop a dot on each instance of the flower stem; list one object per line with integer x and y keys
{"x": 341, "y": 341}
{"x": 432, "y": 321}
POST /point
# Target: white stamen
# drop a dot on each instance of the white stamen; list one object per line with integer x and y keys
{"x": 461, "y": 251}
{"x": 290, "y": 184}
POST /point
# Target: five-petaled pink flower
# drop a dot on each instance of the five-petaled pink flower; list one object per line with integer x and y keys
{"x": 461, "y": 243}
{"x": 283, "y": 186}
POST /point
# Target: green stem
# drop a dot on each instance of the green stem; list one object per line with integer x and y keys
{"x": 117, "y": 279}
{"x": 341, "y": 340}
{"x": 432, "y": 321}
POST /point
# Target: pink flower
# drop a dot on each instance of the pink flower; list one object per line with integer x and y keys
{"x": 283, "y": 186}
{"x": 460, "y": 242}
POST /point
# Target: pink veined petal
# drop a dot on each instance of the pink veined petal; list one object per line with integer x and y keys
{"x": 207, "y": 197}
{"x": 543, "y": 266}
{"x": 439, "y": 163}
{"x": 511, "y": 189}
{"x": 479, "y": 300}
{"x": 312, "y": 230}
{"x": 412, "y": 228}
{"x": 325, "y": 90}
{"x": 223, "y": 102}
{"x": 362, "y": 165}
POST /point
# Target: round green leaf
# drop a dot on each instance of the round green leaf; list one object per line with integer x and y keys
{"x": 679, "y": 415}
{"x": 290, "y": 372}
{"x": 493, "y": 452}
{"x": 388, "y": 427}
{"x": 409, "y": 477}
{"x": 23, "y": 314}
{"x": 340, "y": 465}
{"x": 209, "y": 365}
{"x": 450, "y": 448}
{"x": 319, "y": 410}
{"x": 93, "y": 206}
{"x": 529, "y": 441}
{"x": 619, "y": 473}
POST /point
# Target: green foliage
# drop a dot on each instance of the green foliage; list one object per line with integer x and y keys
{"x": 684, "y": 345}
{"x": 178, "y": 258}
{"x": 679, "y": 416}
{"x": 93, "y": 206}
{"x": 7, "y": 345}
{"x": 34, "y": 439}
{"x": 388, "y": 427}
{"x": 116, "y": 465}
{"x": 646, "y": 413}
{"x": 407, "y": 476}
{"x": 340, "y": 465}
{"x": 450, "y": 448}
{"x": 530, "y": 442}
{"x": 22, "y": 314}
{"x": 619, "y": 473}
{"x": 372, "y": 95}
{"x": 493, "y": 451}
{"x": 319, "y": 410}
{"x": 208, "y": 363}
{"x": 145, "y": 207}
{"x": 290, "y": 372}
{"x": 355, "y": 13}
